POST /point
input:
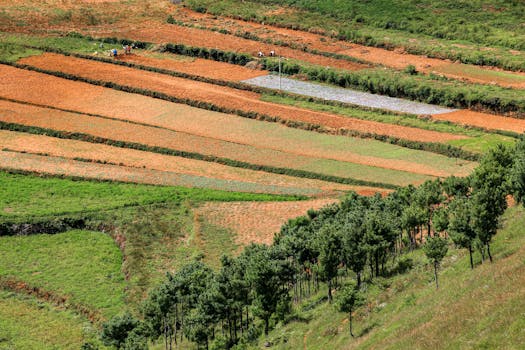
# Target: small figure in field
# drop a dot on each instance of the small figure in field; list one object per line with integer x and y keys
{"x": 272, "y": 53}
{"x": 260, "y": 54}
{"x": 101, "y": 45}
{"x": 114, "y": 52}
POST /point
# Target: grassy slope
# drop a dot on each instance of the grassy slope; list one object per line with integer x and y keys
{"x": 50, "y": 328}
{"x": 481, "y": 309}
{"x": 24, "y": 196}
{"x": 84, "y": 265}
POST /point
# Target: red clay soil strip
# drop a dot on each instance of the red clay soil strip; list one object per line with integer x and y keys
{"x": 198, "y": 66}
{"x": 484, "y": 120}
{"x": 223, "y": 96}
{"x": 169, "y": 33}
{"x": 71, "y": 149}
{"x": 17, "y": 286}
{"x": 396, "y": 59}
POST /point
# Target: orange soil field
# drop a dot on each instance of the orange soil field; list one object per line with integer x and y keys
{"x": 483, "y": 120}
{"x": 244, "y": 131}
{"x": 395, "y": 59}
{"x": 128, "y": 132}
{"x": 68, "y": 167}
{"x": 286, "y": 146}
{"x": 198, "y": 66}
{"x": 257, "y": 222}
{"x": 223, "y": 96}
{"x": 22, "y": 142}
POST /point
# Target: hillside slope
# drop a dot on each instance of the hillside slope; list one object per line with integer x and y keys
{"x": 479, "y": 309}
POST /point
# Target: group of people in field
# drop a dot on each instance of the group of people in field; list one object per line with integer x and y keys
{"x": 261, "y": 54}
{"x": 114, "y": 53}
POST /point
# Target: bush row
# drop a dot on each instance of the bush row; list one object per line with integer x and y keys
{"x": 190, "y": 155}
{"x": 250, "y": 36}
{"x": 418, "y": 88}
{"x": 447, "y": 150}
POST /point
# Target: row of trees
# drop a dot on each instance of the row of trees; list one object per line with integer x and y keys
{"x": 342, "y": 245}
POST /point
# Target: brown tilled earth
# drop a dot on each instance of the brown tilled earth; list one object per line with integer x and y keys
{"x": 224, "y": 97}
{"x": 198, "y": 66}
{"x": 484, "y": 120}
{"x": 257, "y": 222}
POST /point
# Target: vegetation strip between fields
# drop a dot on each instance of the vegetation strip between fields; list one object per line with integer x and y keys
{"x": 434, "y": 147}
{"x": 190, "y": 155}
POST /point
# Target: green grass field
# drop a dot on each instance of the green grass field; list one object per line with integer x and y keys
{"x": 23, "y": 197}
{"x": 83, "y": 266}
{"x": 27, "y": 323}
{"x": 479, "y": 309}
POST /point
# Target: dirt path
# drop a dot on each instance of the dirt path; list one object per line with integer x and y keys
{"x": 396, "y": 59}
{"x": 224, "y": 97}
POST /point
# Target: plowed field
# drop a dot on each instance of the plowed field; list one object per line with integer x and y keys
{"x": 201, "y": 67}
{"x": 240, "y": 130}
{"x": 223, "y": 96}
{"x": 124, "y": 131}
{"x": 395, "y": 59}
{"x": 63, "y": 166}
{"x": 256, "y": 222}
{"x": 55, "y": 147}
{"x": 483, "y": 120}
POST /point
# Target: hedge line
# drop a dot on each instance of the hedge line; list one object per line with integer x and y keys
{"x": 250, "y": 36}
{"x": 446, "y": 150}
{"x": 190, "y": 155}
{"x": 396, "y": 84}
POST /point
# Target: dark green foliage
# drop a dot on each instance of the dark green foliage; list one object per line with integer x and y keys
{"x": 517, "y": 173}
{"x": 489, "y": 194}
{"x": 116, "y": 330}
{"x": 435, "y": 249}
{"x": 348, "y": 299}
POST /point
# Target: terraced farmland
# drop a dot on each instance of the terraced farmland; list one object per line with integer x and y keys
{"x": 116, "y": 170}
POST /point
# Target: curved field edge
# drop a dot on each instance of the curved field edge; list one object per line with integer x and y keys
{"x": 83, "y": 266}
{"x": 50, "y": 327}
{"x": 471, "y": 309}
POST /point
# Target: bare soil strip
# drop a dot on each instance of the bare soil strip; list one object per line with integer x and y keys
{"x": 484, "y": 120}
{"x": 257, "y": 222}
{"x": 396, "y": 59}
{"x": 223, "y": 96}
{"x": 197, "y": 66}
{"x": 72, "y": 149}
